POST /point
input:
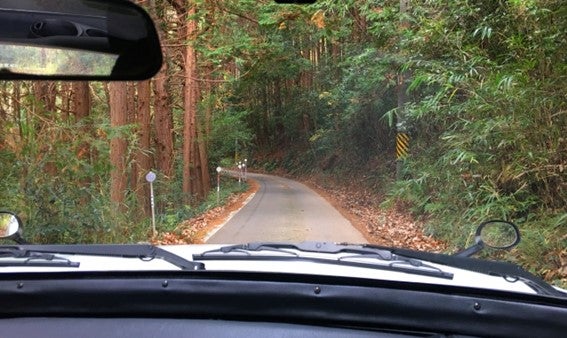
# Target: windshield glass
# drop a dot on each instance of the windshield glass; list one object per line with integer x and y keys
{"x": 390, "y": 122}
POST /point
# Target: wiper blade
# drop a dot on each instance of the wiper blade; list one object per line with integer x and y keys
{"x": 245, "y": 249}
{"x": 510, "y": 272}
{"x": 317, "y": 247}
{"x": 22, "y": 257}
{"x": 142, "y": 251}
{"x": 359, "y": 258}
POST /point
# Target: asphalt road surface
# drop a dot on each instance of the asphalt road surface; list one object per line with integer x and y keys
{"x": 285, "y": 210}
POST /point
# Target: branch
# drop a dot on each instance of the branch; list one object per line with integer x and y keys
{"x": 240, "y": 15}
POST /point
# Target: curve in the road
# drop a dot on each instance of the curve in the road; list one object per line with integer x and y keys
{"x": 288, "y": 211}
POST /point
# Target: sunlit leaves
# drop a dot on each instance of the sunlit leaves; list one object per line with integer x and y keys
{"x": 318, "y": 19}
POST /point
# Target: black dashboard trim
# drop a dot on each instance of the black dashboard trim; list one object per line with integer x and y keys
{"x": 283, "y": 298}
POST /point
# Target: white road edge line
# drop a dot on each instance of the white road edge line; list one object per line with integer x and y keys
{"x": 218, "y": 227}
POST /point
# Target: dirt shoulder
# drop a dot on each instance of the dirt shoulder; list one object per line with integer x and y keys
{"x": 195, "y": 230}
{"x": 392, "y": 227}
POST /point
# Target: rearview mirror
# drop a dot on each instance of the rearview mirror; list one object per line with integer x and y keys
{"x": 77, "y": 40}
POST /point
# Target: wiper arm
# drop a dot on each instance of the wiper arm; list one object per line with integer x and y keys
{"x": 24, "y": 257}
{"x": 141, "y": 251}
{"x": 359, "y": 257}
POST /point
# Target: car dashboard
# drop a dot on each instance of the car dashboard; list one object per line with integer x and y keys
{"x": 229, "y": 304}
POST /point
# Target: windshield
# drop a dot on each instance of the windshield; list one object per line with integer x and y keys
{"x": 395, "y": 123}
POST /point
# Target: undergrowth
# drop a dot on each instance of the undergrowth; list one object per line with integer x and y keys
{"x": 67, "y": 220}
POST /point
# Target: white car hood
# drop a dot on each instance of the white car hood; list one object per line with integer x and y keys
{"x": 461, "y": 277}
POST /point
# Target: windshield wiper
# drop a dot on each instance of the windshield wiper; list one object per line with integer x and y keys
{"x": 144, "y": 252}
{"x": 22, "y": 257}
{"x": 245, "y": 249}
{"x": 317, "y": 247}
{"x": 359, "y": 257}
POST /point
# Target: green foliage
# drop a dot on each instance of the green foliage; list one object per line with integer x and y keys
{"x": 58, "y": 208}
{"x": 230, "y": 137}
{"x": 487, "y": 79}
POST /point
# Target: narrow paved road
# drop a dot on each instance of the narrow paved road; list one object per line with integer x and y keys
{"x": 286, "y": 210}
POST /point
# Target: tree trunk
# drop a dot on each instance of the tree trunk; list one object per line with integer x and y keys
{"x": 204, "y": 162}
{"x": 204, "y": 131}
{"x": 44, "y": 107}
{"x": 76, "y": 107}
{"x": 118, "y": 103}
{"x": 163, "y": 125}
{"x": 143, "y": 159}
{"x": 81, "y": 108}
{"x": 81, "y": 105}
{"x": 16, "y": 106}
{"x": 190, "y": 108}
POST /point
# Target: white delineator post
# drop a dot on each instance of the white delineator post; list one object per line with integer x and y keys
{"x": 151, "y": 177}
{"x": 239, "y": 173}
{"x": 219, "y": 169}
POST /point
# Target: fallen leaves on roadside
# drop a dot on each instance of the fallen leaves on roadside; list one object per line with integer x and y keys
{"x": 392, "y": 227}
{"x": 193, "y": 230}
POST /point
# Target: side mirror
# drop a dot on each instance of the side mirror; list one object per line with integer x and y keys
{"x": 495, "y": 234}
{"x": 10, "y": 226}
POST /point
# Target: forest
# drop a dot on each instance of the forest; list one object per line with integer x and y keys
{"x": 478, "y": 86}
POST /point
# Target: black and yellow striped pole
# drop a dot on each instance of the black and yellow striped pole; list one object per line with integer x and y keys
{"x": 402, "y": 138}
{"x": 402, "y": 151}
{"x": 402, "y": 145}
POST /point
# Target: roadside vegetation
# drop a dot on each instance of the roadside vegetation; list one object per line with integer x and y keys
{"x": 313, "y": 90}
